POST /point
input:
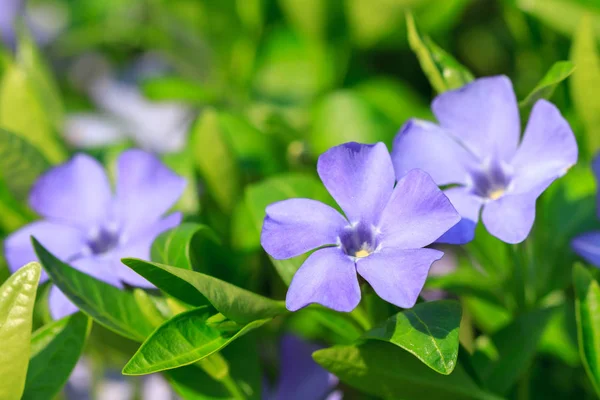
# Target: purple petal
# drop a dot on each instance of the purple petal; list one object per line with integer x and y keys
{"x": 468, "y": 206}
{"x": 547, "y": 151}
{"x": 301, "y": 377}
{"x": 596, "y": 170}
{"x": 9, "y": 11}
{"x": 99, "y": 267}
{"x": 327, "y": 277}
{"x": 398, "y": 276}
{"x": 76, "y": 193}
{"x": 483, "y": 115}
{"x": 146, "y": 189}
{"x": 511, "y": 217}
{"x": 423, "y": 145}
{"x": 587, "y": 246}
{"x": 140, "y": 248}
{"x": 295, "y": 226}
{"x": 60, "y": 306}
{"x": 61, "y": 240}
{"x": 418, "y": 213}
{"x": 360, "y": 178}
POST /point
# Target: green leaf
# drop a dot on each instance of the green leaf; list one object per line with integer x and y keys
{"x": 183, "y": 164}
{"x": 185, "y": 339}
{"x": 585, "y": 83}
{"x": 429, "y": 331}
{"x": 442, "y": 70}
{"x": 116, "y": 309}
{"x": 55, "y": 349}
{"x": 587, "y": 311}
{"x": 563, "y": 16}
{"x": 215, "y": 160}
{"x": 169, "y": 88}
{"x": 173, "y": 247}
{"x": 384, "y": 370}
{"x": 281, "y": 187}
{"x": 17, "y": 297}
{"x": 560, "y": 71}
{"x": 516, "y": 345}
{"x": 195, "y": 288}
{"x": 21, "y": 163}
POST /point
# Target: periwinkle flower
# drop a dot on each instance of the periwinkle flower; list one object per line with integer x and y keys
{"x": 89, "y": 228}
{"x": 587, "y": 245}
{"x": 476, "y": 148}
{"x": 380, "y": 238}
{"x": 300, "y": 377}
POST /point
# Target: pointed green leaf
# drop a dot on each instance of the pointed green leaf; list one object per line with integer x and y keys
{"x": 173, "y": 247}
{"x": 515, "y": 345}
{"x": 386, "y": 371}
{"x": 111, "y": 307}
{"x": 185, "y": 339}
{"x": 281, "y": 187}
{"x": 428, "y": 330}
{"x": 17, "y": 297}
{"x": 55, "y": 349}
{"x": 195, "y": 288}
{"x": 585, "y": 83}
{"x": 442, "y": 70}
{"x": 587, "y": 311}
{"x": 545, "y": 88}
{"x": 563, "y": 16}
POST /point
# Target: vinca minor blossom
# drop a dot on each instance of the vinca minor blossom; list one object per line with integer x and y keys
{"x": 89, "y": 228}
{"x": 380, "y": 237}
{"x": 587, "y": 245}
{"x": 476, "y": 148}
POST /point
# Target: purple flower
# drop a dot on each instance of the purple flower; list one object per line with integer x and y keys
{"x": 89, "y": 228}
{"x": 381, "y": 236}
{"x": 301, "y": 378}
{"x": 10, "y": 10}
{"x": 587, "y": 245}
{"x": 476, "y": 149}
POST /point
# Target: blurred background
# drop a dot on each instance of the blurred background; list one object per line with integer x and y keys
{"x": 235, "y": 93}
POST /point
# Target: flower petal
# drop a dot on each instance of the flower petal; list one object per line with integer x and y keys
{"x": 587, "y": 246}
{"x": 139, "y": 247}
{"x": 92, "y": 130}
{"x": 295, "y": 226}
{"x": 423, "y": 145}
{"x": 76, "y": 193}
{"x": 468, "y": 206}
{"x": 483, "y": 115}
{"x": 327, "y": 277}
{"x": 61, "y": 240}
{"x": 146, "y": 189}
{"x": 396, "y": 275}
{"x": 511, "y": 217}
{"x": 60, "y": 306}
{"x": 301, "y": 377}
{"x": 418, "y": 213}
{"x": 547, "y": 151}
{"x": 360, "y": 178}
{"x": 102, "y": 268}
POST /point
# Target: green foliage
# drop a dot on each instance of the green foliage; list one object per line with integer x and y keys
{"x": 545, "y": 88}
{"x": 587, "y": 304}
{"x": 17, "y": 296}
{"x": 173, "y": 247}
{"x": 428, "y": 330}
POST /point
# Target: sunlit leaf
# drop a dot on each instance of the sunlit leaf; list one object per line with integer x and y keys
{"x": 563, "y": 16}
{"x": 17, "y": 297}
{"x": 545, "y": 88}
{"x": 173, "y": 247}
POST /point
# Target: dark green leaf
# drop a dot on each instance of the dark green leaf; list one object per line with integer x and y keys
{"x": 545, "y": 88}
{"x": 173, "y": 247}
{"x": 195, "y": 288}
{"x": 587, "y": 311}
{"x": 55, "y": 349}
{"x": 17, "y": 297}
{"x": 442, "y": 70}
{"x": 185, "y": 339}
{"x": 384, "y": 370}
{"x": 111, "y": 307}
{"x": 428, "y": 330}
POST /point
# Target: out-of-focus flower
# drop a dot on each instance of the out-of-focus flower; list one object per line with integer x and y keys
{"x": 44, "y": 20}
{"x": 476, "y": 147}
{"x": 587, "y": 245}
{"x": 301, "y": 378}
{"x": 160, "y": 127}
{"x": 89, "y": 228}
{"x": 381, "y": 236}
{"x": 9, "y": 11}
